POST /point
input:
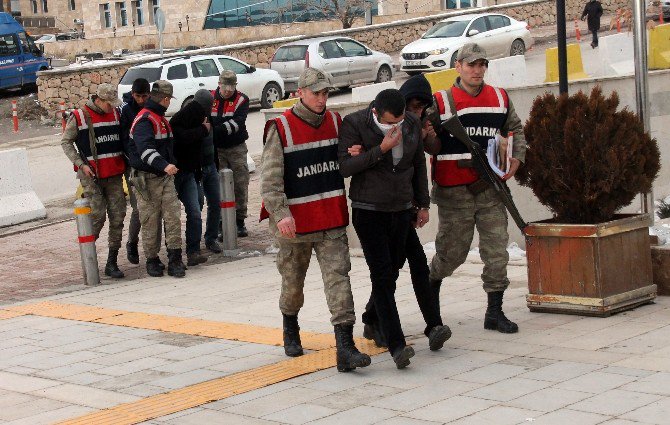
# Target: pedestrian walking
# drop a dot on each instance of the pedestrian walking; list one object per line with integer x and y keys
{"x": 92, "y": 141}
{"x": 153, "y": 162}
{"x": 593, "y": 10}
{"x": 388, "y": 179}
{"x": 303, "y": 195}
{"x": 464, "y": 199}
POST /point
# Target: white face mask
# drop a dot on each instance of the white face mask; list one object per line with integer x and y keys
{"x": 385, "y": 128}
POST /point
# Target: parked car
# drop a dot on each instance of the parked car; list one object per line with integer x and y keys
{"x": 346, "y": 60}
{"x": 188, "y": 74}
{"x": 437, "y": 49}
{"x": 20, "y": 58}
{"x": 46, "y": 38}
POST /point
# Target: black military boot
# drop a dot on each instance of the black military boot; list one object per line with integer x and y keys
{"x": 241, "y": 228}
{"x": 160, "y": 264}
{"x": 495, "y": 318}
{"x": 175, "y": 266}
{"x": 401, "y": 357}
{"x": 435, "y": 292}
{"x": 437, "y": 336}
{"x": 133, "y": 254}
{"x": 111, "y": 268}
{"x": 154, "y": 267}
{"x": 372, "y": 331}
{"x": 195, "y": 258}
{"x": 292, "y": 344}
{"x": 348, "y": 356}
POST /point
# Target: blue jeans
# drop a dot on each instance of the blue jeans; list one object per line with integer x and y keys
{"x": 209, "y": 188}
{"x": 187, "y": 191}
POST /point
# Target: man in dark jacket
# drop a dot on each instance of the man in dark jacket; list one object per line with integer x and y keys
{"x": 133, "y": 102}
{"x": 229, "y": 118}
{"x": 190, "y": 126}
{"x": 387, "y": 179}
{"x": 418, "y": 97}
{"x": 592, "y": 13}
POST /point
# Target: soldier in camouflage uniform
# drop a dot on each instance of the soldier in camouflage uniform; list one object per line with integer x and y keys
{"x": 92, "y": 142}
{"x": 463, "y": 199}
{"x": 152, "y": 159}
{"x": 303, "y": 195}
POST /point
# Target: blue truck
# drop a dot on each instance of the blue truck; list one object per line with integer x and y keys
{"x": 20, "y": 58}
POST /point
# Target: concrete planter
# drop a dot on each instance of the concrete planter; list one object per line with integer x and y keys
{"x": 589, "y": 269}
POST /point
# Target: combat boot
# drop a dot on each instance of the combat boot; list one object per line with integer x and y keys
{"x": 437, "y": 336}
{"x": 241, "y": 228}
{"x": 133, "y": 254}
{"x": 292, "y": 344}
{"x": 175, "y": 266}
{"x": 154, "y": 267}
{"x": 348, "y": 356}
{"x": 372, "y": 331}
{"x": 434, "y": 286}
{"x": 111, "y": 268}
{"x": 195, "y": 258}
{"x": 401, "y": 357}
{"x": 495, "y": 318}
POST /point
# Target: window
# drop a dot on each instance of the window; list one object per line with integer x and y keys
{"x": 330, "y": 50}
{"x": 150, "y": 74}
{"x": 45, "y": 6}
{"x": 204, "y": 68}
{"x": 233, "y": 65}
{"x": 446, "y": 29}
{"x": 33, "y": 6}
{"x": 105, "y": 16}
{"x": 290, "y": 53}
{"x": 138, "y": 13}
{"x": 24, "y": 42}
{"x": 154, "y": 5}
{"x": 121, "y": 14}
{"x": 351, "y": 48}
{"x": 497, "y": 21}
{"x": 479, "y": 24}
{"x": 71, "y": 5}
{"x": 8, "y": 45}
{"x": 177, "y": 72}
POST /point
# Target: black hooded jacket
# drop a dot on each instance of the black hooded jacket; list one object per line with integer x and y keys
{"x": 417, "y": 87}
{"x": 128, "y": 111}
{"x": 188, "y": 134}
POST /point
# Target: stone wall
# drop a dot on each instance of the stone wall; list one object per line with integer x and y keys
{"x": 75, "y": 85}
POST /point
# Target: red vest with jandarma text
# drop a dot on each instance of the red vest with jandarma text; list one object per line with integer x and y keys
{"x": 482, "y": 117}
{"x": 109, "y": 147}
{"x": 312, "y": 180}
{"x": 229, "y": 105}
{"x": 161, "y": 126}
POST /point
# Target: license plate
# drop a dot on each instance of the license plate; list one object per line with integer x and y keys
{"x": 413, "y": 63}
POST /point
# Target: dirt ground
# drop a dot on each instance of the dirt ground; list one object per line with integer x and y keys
{"x": 34, "y": 121}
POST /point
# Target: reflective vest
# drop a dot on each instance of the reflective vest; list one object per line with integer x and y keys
{"x": 482, "y": 117}
{"x": 230, "y": 106}
{"x": 312, "y": 180}
{"x": 108, "y": 146}
{"x": 161, "y": 126}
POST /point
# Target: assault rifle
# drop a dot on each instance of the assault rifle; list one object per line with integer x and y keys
{"x": 481, "y": 164}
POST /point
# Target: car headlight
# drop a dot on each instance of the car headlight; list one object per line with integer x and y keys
{"x": 437, "y": 51}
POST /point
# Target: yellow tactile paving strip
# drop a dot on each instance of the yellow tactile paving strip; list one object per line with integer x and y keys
{"x": 205, "y": 392}
{"x": 184, "y": 325}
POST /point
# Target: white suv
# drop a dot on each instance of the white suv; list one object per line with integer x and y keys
{"x": 189, "y": 74}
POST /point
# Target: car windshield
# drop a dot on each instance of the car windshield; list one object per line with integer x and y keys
{"x": 151, "y": 75}
{"x": 446, "y": 29}
{"x": 290, "y": 53}
{"x": 46, "y": 38}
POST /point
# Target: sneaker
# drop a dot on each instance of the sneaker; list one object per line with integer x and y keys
{"x": 195, "y": 258}
{"x": 214, "y": 247}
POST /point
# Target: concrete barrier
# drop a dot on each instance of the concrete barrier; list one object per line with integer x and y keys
{"x": 659, "y": 47}
{"x": 441, "y": 80}
{"x": 18, "y": 201}
{"x": 368, "y": 92}
{"x": 616, "y": 54}
{"x": 507, "y": 72}
{"x": 575, "y": 65}
{"x": 287, "y": 103}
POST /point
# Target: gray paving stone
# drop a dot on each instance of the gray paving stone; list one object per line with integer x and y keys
{"x": 132, "y": 366}
{"x": 596, "y": 382}
{"x": 68, "y": 370}
{"x": 450, "y": 409}
{"x": 360, "y": 415}
{"x": 509, "y": 389}
{"x": 627, "y": 371}
{"x": 53, "y": 416}
{"x": 567, "y": 416}
{"x": 353, "y": 397}
{"x": 654, "y": 413}
{"x": 301, "y": 414}
{"x": 24, "y": 384}
{"x": 11, "y": 398}
{"x": 85, "y": 378}
{"x": 403, "y": 420}
{"x": 653, "y": 384}
{"x": 190, "y": 364}
{"x": 118, "y": 383}
{"x": 251, "y": 395}
{"x": 143, "y": 390}
{"x": 498, "y": 415}
{"x": 424, "y": 395}
{"x": 615, "y": 402}
{"x": 548, "y": 399}
{"x": 213, "y": 417}
{"x": 185, "y": 379}
{"x": 275, "y": 402}
{"x": 560, "y": 371}
{"x": 25, "y": 409}
{"x": 491, "y": 373}
{"x": 85, "y": 396}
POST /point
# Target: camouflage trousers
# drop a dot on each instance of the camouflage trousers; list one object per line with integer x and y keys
{"x": 235, "y": 158}
{"x": 333, "y": 257}
{"x": 107, "y": 198}
{"x": 459, "y": 212}
{"x": 161, "y": 202}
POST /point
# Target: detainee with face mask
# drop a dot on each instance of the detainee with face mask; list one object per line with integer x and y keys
{"x": 388, "y": 178}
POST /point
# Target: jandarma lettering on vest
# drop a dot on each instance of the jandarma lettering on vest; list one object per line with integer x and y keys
{"x": 481, "y": 131}
{"x": 108, "y": 138}
{"x": 322, "y": 167}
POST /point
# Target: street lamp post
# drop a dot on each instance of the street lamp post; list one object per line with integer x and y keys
{"x": 179, "y": 25}
{"x": 562, "y": 47}
{"x": 188, "y": 28}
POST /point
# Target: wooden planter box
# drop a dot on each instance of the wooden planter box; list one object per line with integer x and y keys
{"x": 589, "y": 269}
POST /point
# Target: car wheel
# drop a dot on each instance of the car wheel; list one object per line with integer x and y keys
{"x": 452, "y": 62}
{"x": 271, "y": 93}
{"x": 384, "y": 74}
{"x": 187, "y": 101}
{"x": 518, "y": 48}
